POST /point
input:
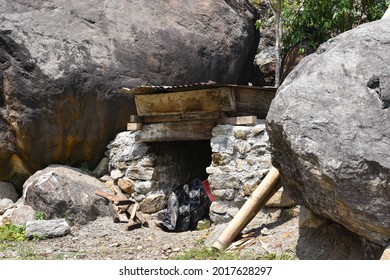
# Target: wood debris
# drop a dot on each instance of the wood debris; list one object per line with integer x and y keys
{"x": 123, "y": 210}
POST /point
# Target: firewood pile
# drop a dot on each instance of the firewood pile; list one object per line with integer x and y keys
{"x": 123, "y": 209}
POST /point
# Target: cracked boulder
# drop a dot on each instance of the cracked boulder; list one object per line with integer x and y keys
{"x": 329, "y": 128}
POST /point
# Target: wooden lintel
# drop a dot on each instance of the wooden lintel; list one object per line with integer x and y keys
{"x": 204, "y": 100}
{"x": 182, "y": 117}
{"x": 253, "y": 101}
{"x": 135, "y": 119}
{"x": 241, "y": 120}
{"x": 134, "y": 126}
{"x": 177, "y": 131}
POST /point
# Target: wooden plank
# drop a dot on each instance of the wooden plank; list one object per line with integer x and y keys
{"x": 241, "y": 120}
{"x": 253, "y": 101}
{"x": 135, "y": 119}
{"x": 106, "y": 195}
{"x": 205, "y": 100}
{"x": 182, "y": 117}
{"x": 116, "y": 199}
{"x": 134, "y": 126}
{"x": 177, "y": 131}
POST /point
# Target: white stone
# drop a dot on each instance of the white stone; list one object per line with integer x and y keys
{"x": 218, "y": 208}
{"x": 116, "y": 174}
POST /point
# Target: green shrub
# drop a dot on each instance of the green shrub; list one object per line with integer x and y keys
{"x": 10, "y": 232}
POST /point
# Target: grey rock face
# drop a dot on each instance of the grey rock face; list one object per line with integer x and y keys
{"x": 330, "y": 132}
{"x": 60, "y": 62}
{"x": 7, "y": 190}
{"x": 47, "y": 228}
{"x": 64, "y": 192}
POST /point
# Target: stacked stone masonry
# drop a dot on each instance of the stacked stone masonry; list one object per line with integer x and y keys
{"x": 236, "y": 162}
{"x": 240, "y": 161}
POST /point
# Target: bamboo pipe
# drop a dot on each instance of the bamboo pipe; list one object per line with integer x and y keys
{"x": 249, "y": 210}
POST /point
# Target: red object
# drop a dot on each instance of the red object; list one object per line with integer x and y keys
{"x": 206, "y": 187}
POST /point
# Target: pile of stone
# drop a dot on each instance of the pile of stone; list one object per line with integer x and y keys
{"x": 240, "y": 160}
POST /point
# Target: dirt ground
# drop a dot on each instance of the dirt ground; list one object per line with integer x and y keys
{"x": 272, "y": 234}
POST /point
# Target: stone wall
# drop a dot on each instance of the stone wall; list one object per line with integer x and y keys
{"x": 235, "y": 161}
{"x": 154, "y": 169}
{"x": 240, "y": 160}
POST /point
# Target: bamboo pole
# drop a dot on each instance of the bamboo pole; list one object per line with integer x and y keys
{"x": 249, "y": 210}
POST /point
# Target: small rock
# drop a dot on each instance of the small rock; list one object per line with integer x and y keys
{"x": 5, "y": 204}
{"x": 115, "y": 245}
{"x": 166, "y": 247}
{"x": 280, "y": 199}
{"x": 102, "y": 168}
{"x": 47, "y": 228}
{"x": 218, "y": 208}
{"x": 176, "y": 250}
{"x": 7, "y": 190}
{"x": 116, "y": 174}
{"x": 22, "y": 215}
{"x": 126, "y": 185}
{"x": 139, "y": 248}
{"x": 153, "y": 203}
{"x": 105, "y": 178}
{"x": 265, "y": 231}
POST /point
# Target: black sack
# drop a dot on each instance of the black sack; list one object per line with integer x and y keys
{"x": 186, "y": 206}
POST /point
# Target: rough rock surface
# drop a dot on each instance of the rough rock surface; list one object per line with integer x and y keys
{"x": 47, "y": 228}
{"x": 64, "y": 192}
{"x": 240, "y": 160}
{"x": 61, "y": 60}
{"x": 330, "y": 132}
{"x": 7, "y": 190}
{"x": 22, "y": 215}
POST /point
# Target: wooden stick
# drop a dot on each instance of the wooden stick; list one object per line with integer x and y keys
{"x": 249, "y": 210}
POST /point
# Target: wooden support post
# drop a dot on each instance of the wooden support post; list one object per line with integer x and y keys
{"x": 249, "y": 210}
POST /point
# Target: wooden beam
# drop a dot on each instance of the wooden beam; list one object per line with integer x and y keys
{"x": 253, "y": 101}
{"x": 135, "y": 119}
{"x": 177, "y": 131}
{"x": 182, "y": 117}
{"x": 134, "y": 126}
{"x": 241, "y": 120}
{"x": 205, "y": 100}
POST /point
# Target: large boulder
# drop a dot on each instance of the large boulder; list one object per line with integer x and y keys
{"x": 329, "y": 128}
{"x": 64, "y": 192}
{"x": 61, "y": 60}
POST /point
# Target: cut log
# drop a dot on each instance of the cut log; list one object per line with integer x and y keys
{"x": 241, "y": 120}
{"x": 177, "y": 131}
{"x": 249, "y": 210}
{"x": 134, "y": 126}
{"x": 203, "y": 100}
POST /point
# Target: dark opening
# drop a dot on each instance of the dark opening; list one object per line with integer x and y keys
{"x": 181, "y": 161}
